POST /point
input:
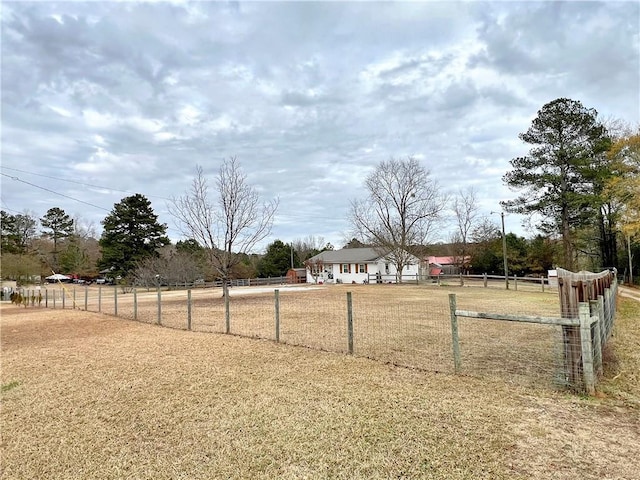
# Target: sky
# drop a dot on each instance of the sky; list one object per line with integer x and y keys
{"x": 102, "y": 100}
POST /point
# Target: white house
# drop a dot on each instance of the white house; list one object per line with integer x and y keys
{"x": 357, "y": 265}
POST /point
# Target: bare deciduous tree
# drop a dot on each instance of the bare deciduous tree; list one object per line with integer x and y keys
{"x": 309, "y": 246}
{"x": 465, "y": 210}
{"x": 315, "y": 267}
{"x": 227, "y": 220}
{"x": 403, "y": 206}
{"x": 170, "y": 268}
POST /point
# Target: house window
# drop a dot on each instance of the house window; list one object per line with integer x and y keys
{"x": 362, "y": 268}
{"x": 346, "y": 268}
{"x": 386, "y": 268}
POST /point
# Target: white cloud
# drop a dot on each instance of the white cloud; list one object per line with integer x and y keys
{"x": 308, "y": 95}
{"x": 98, "y": 120}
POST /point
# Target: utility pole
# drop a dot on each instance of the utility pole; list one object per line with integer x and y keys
{"x": 504, "y": 252}
{"x": 291, "y": 255}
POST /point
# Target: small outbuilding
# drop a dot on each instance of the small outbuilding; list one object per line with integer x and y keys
{"x": 297, "y": 275}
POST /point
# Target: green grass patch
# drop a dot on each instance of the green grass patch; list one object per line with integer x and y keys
{"x": 10, "y": 386}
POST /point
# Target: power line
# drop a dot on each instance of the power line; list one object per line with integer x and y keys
{"x": 63, "y": 195}
{"x": 51, "y": 191}
{"x": 78, "y": 183}
{"x": 7, "y": 208}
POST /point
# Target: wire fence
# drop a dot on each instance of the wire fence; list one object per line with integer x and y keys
{"x": 407, "y": 325}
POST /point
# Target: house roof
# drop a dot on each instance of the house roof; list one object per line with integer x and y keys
{"x": 446, "y": 260}
{"x": 348, "y": 255}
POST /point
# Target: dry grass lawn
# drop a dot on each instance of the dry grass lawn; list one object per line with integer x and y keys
{"x": 406, "y": 325}
{"x": 86, "y": 395}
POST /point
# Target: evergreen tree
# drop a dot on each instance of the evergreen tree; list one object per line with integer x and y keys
{"x": 131, "y": 233}
{"x": 189, "y": 246}
{"x": 17, "y": 232}
{"x": 58, "y": 225}
{"x": 541, "y": 255}
{"x": 567, "y": 140}
{"x": 277, "y": 260}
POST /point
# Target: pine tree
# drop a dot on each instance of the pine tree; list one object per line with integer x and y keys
{"x": 58, "y": 225}
{"x": 131, "y": 233}
{"x": 567, "y": 140}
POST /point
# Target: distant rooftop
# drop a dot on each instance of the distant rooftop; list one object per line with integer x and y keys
{"x": 348, "y": 255}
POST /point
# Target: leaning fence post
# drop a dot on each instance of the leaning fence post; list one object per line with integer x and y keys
{"x": 454, "y": 332}
{"x": 277, "y": 312}
{"x": 587, "y": 352}
{"x": 189, "y": 309}
{"x": 597, "y": 346}
{"x": 350, "y": 322}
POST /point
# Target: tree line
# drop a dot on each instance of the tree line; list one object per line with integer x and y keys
{"x": 578, "y": 187}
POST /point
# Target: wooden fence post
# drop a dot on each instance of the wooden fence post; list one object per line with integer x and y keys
{"x": 461, "y": 280}
{"x": 159, "y": 321}
{"x": 607, "y": 311}
{"x": 74, "y": 298}
{"x": 277, "y": 313}
{"x": 595, "y": 338}
{"x": 570, "y": 334}
{"x": 542, "y": 283}
{"x": 227, "y": 314}
{"x": 189, "y": 309}
{"x": 115, "y": 300}
{"x": 350, "y": 322}
{"x": 46, "y": 299}
{"x": 135, "y": 303}
{"x": 454, "y": 333}
{"x": 603, "y": 322}
{"x": 100, "y": 299}
{"x": 63, "y": 297}
{"x": 515, "y": 283}
{"x": 484, "y": 279}
{"x": 587, "y": 352}
{"x": 86, "y": 298}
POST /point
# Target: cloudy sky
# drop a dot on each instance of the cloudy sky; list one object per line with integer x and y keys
{"x": 101, "y": 100}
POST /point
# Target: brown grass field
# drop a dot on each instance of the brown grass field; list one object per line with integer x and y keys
{"x": 406, "y": 325}
{"x": 88, "y": 395}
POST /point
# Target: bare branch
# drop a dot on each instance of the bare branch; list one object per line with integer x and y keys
{"x": 402, "y": 209}
{"x": 227, "y": 224}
